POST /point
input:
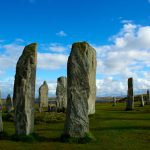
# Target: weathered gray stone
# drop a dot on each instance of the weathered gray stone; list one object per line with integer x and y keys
{"x": 43, "y": 95}
{"x": 142, "y": 101}
{"x": 9, "y": 104}
{"x": 1, "y": 122}
{"x": 130, "y": 99}
{"x": 81, "y": 89}
{"x": 61, "y": 93}
{"x": 24, "y": 90}
{"x": 148, "y": 98}
{"x": 114, "y": 101}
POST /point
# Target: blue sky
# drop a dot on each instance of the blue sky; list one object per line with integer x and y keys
{"x": 119, "y": 30}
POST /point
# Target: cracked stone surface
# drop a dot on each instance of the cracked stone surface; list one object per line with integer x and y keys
{"x": 81, "y": 89}
{"x": 24, "y": 90}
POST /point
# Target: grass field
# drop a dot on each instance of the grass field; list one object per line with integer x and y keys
{"x": 113, "y": 128}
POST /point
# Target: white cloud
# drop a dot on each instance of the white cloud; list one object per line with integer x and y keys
{"x": 56, "y": 47}
{"x": 61, "y": 34}
{"x": 127, "y": 57}
{"x": 50, "y": 61}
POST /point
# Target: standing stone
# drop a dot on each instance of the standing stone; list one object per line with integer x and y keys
{"x": 130, "y": 99}
{"x": 114, "y": 101}
{"x": 81, "y": 89}
{"x": 24, "y": 90}
{"x": 148, "y": 98}
{"x": 9, "y": 104}
{"x": 61, "y": 93}
{"x": 43, "y": 95}
{"x": 1, "y": 122}
{"x": 142, "y": 101}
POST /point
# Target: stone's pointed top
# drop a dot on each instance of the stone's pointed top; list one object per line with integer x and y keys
{"x": 32, "y": 44}
{"x": 62, "y": 77}
{"x": 8, "y": 96}
{"x": 82, "y": 47}
{"x": 130, "y": 78}
{"x": 29, "y": 49}
{"x": 44, "y": 83}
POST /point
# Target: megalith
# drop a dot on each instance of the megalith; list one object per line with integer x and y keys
{"x": 24, "y": 90}
{"x": 61, "y": 94}
{"x": 43, "y": 95}
{"x": 148, "y": 98}
{"x": 142, "y": 101}
{"x": 130, "y": 97}
{"x": 81, "y": 89}
{"x": 9, "y": 104}
{"x": 114, "y": 101}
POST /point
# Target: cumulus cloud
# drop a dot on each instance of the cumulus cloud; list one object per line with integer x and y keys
{"x": 126, "y": 57}
{"x": 61, "y": 33}
{"x": 56, "y": 47}
{"x": 50, "y": 61}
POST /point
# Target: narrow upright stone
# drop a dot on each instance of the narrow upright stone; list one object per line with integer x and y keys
{"x": 81, "y": 89}
{"x": 61, "y": 94}
{"x": 24, "y": 90}
{"x": 9, "y": 104}
{"x": 130, "y": 99}
{"x": 43, "y": 95}
{"x": 142, "y": 101}
{"x": 148, "y": 98}
{"x": 114, "y": 101}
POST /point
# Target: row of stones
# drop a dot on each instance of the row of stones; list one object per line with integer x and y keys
{"x": 130, "y": 99}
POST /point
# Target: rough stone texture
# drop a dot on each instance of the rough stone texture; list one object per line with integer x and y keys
{"x": 81, "y": 89}
{"x": 43, "y": 95}
{"x": 1, "y": 122}
{"x": 148, "y": 98}
{"x": 114, "y": 101}
{"x": 130, "y": 100}
{"x": 142, "y": 101}
{"x": 24, "y": 90}
{"x": 9, "y": 104}
{"x": 61, "y": 94}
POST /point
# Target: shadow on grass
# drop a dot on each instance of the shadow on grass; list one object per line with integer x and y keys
{"x": 121, "y": 128}
{"x": 27, "y": 138}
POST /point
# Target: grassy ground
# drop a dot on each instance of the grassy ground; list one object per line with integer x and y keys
{"x": 113, "y": 127}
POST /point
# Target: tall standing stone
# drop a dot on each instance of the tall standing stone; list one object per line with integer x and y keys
{"x": 61, "y": 94}
{"x": 142, "y": 101}
{"x": 24, "y": 90}
{"x": 81, "y": 89}
{"x": 114, "y": 101}
{"x": 1, "y": 122}
{"x": 130, "y": 99}
{"x": 148, "y": 98}
{"x": 9, "y": 104}
{"x": 43, "y": 95}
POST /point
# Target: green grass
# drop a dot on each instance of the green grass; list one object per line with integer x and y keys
{"x": 113, "y": 129}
